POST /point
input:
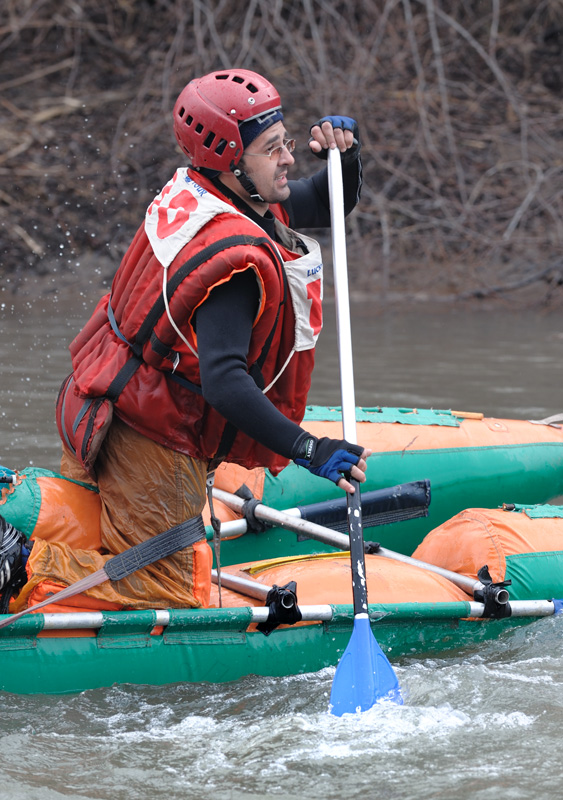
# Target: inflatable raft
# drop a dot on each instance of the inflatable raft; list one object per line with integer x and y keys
{"x": 462, "y": 454}
{"x": 475, "y": 577}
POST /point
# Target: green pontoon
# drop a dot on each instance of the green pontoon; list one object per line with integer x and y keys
{"x": 468, "y": 460}
{"x": 215, "y": 645}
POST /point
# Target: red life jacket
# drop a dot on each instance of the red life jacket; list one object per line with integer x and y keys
{"x": 129, "y": 358}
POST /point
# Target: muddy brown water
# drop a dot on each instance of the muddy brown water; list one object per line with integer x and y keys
{"x": 477, "y": 723}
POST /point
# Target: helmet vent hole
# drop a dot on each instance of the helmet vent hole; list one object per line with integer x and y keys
{"x": 251, "y": 88}
{"x": 208, "y": 141}
{"x": 189, "y": 119}
{"x": 238, "y": 79}
{"x": 220, "y": 149}
{"x": 199, "y": 128}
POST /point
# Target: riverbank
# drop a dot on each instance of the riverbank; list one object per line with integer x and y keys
{"x": 89, "y": 276}
{"x": 458, "y": 108}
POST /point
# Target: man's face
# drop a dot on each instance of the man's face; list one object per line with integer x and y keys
{"x": 269, "y": 175}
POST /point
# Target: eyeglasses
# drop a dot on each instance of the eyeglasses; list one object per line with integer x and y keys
{"x": 276, "y": 152}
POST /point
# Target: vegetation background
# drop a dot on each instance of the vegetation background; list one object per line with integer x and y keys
{"x": 459, "y": 104}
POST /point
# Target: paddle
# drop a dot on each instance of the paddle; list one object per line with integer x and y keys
{"x": 364, "y": 674}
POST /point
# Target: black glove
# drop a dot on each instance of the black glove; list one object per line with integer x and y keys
{"x": 327, "y": 458}
{"x": 347, "y": 124}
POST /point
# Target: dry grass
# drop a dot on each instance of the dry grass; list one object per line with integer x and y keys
{"x": 459, "y": 103}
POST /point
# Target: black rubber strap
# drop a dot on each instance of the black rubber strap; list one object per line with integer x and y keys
{"x": 159, "y": 546}
{"x": 122, "y": 378}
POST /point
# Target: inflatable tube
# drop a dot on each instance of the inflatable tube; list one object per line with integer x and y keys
{"x": 469, "y": 459}
{"x": 44, "y": 505}
{"x": 326, "y": 578}
{"x": 521, "y": 544}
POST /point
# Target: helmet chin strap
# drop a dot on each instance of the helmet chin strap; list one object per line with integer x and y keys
{"x": 247, "y": 184}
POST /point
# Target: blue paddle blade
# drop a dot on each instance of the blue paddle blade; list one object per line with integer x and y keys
{"x": 364, "y": 674}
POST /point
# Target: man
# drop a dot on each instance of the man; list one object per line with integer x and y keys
{"x": 204, "y": 349}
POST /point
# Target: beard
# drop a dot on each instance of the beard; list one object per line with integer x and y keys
{"x": 268, "y": 184}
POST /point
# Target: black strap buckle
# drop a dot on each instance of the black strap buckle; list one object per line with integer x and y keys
{"x": 493, "y": 595}
{"x": 282, "y": 602}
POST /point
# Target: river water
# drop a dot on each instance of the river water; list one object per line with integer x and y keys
{"x": 475, "y": 724}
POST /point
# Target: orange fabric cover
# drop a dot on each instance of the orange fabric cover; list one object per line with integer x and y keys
{"x": 328, "y": 580}
{"x": 68, "y": 512}
{"x": 479, "y": 536}
{"x": 48, "y": 562}
{"x": 385, "y": 437}
{"x": 130, "y": 469}
{"x": 80, "y": 602}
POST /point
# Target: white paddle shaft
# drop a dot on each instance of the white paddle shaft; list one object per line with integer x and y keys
{"x": 340, "y": 269}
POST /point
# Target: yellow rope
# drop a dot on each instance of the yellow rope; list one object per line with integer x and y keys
{"x": 279, "y": 562}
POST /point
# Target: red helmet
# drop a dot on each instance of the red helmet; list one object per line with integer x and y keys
{"x": 208, "y": 112}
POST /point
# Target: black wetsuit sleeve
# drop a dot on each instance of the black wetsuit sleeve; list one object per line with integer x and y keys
{"x": 308, "y": 205}
{"x": 224, "y": 327}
